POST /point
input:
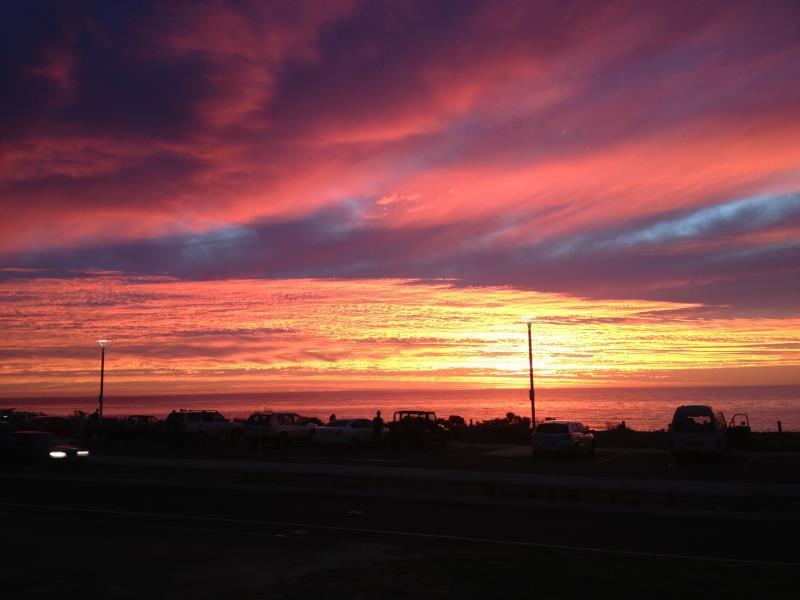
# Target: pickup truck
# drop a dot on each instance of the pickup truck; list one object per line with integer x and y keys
{"x": 416, "y": 428}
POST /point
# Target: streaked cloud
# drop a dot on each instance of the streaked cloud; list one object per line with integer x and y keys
{"x": 742, "y": 215}
{"x": 240, "y": 335}
{"x": 595, "y": 150}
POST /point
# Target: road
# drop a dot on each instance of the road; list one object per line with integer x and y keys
{"x": 651, "y": 464}
{"x": 137, "y": 539}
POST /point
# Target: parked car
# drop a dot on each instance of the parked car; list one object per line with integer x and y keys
{"x": 143, "y": 426}
{"x": 201, "y": 426}
{"x": 11, "y": 418}
{"x": 562, "y": 437}
{"x": 133, "y": 427}
{"x": 417, "y": 428}
{"x": 279, "y": 428}
{"x": 61, "y": 426}
{"x": 346, "y": 432}
{"x": 21, "y": 447}
{"x": 698, "y": 430}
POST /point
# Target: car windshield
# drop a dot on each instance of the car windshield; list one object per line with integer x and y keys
{"x": 414, "y": 416}
{"x": 693, "y": 423}
{"x": 552, "y": 428}
{"x": 259, "y": 419}
{"x": 338, "y": 423}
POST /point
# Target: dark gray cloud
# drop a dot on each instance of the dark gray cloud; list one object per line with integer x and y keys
{"x": 126, "y": 122}
{"x": 695, "y": 256}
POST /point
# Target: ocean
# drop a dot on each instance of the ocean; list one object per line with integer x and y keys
{"x": 640, "y": 408}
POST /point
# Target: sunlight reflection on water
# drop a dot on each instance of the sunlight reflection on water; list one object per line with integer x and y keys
{"x": 640, "y": 408}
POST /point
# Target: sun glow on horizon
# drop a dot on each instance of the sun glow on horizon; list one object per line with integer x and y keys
{"x": 258, "y": 335}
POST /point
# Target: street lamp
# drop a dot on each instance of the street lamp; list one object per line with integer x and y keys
{"x": 531, "y": 392}
{"x": 103, "y": 344}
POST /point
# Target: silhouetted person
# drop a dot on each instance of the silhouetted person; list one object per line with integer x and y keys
{"x": 377, "y": 426}
{"x": 332, "y": 418}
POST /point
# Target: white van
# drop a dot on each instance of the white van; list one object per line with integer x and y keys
{"x": 698, "y": 430}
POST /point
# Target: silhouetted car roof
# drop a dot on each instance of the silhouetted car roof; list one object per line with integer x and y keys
{"x": 346, "y": 422}
{"x": 698, "y": 409}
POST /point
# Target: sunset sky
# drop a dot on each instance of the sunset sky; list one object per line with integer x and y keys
{"x": 253, "y": 196}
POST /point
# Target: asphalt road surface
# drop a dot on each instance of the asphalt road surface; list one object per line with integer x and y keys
{"x": 652, "y": 464}
{"x": 138, "y": 539}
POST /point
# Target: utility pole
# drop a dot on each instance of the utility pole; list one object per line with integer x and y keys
{"x": 531, "y": 392}
{"x": 103, "y": 344}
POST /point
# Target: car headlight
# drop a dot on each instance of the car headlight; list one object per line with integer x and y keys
{"x": 83, "y": 453}
{"x": 58, "y": 454}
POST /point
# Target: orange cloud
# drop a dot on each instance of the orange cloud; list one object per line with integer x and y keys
{"x": 246, "y": 335}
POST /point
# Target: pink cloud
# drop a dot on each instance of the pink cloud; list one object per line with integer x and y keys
{"x": 597, "y": 115}
{"x": 262, "y": 334}
{"x": 244, "y": 46}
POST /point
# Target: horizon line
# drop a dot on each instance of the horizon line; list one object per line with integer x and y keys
{"x": 395, "y": 390}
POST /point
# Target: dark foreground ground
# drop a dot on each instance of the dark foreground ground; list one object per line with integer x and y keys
{"x": 83, "y": 533}
{"x": 782, "y": 467}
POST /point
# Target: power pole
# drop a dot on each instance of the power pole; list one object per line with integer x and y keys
{"x": 102, "y": 376}
{"x": 531, "y": 392}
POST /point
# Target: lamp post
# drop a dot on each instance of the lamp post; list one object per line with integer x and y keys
{"x": 103, "y": 344}
{"x": 531, "y": 392}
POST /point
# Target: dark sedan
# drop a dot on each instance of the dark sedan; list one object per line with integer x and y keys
{"x": 39, "y": 447}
